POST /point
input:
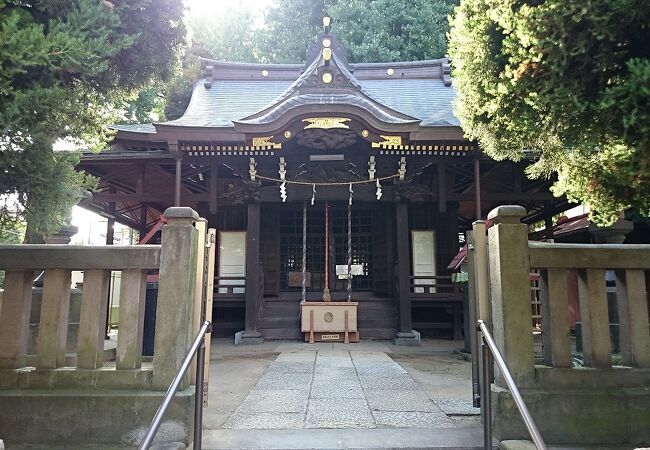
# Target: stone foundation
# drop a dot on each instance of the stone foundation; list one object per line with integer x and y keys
{"x": 78, "y": 418}
{"x": 578, "y": 417}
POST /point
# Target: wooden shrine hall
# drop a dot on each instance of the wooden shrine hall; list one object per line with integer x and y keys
{"x": 353, "y": 179}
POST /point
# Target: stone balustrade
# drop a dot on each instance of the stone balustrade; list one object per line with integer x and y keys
{"x": 594, "y": 403}
{"x": 47, "y": 380}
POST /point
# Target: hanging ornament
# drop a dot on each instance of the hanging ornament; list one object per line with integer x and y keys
{"x": 313, "y": 194}
{"x": 351, "y": 192}
{"x": 379, "y": 193}
{"x": 283, "y": 191}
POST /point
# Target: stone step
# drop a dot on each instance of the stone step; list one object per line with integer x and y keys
{"x": 528, "y": 445}
{"x": 470, "y": 438}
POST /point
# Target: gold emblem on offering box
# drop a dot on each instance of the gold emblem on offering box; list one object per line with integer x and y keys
{"x": 326, "y": 122}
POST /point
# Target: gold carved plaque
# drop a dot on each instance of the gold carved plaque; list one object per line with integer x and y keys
{"x": 265, "y": 141}
{"x": 328, "y": 317}
{"x": 388, "y": 140}
{"x": 326, "y": 123}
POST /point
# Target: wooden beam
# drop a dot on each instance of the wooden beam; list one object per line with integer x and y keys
{"x": 146, "y": 198}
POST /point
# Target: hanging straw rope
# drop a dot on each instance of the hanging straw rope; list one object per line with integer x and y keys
{"x": 309, "y": 183}
{"x": 350, "y": 246}
{"x": 304, "y": 251}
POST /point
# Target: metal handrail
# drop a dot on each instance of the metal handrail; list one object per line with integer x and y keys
{"x": 489, "y": 348}
{"x": 197, "y": 345}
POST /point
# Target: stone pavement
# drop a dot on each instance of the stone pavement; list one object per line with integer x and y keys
{"x": 331, "y": 388}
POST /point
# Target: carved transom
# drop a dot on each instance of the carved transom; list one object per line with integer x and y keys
{"x": 326, "y": 139}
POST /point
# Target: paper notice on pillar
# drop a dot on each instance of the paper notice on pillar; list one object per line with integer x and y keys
{"x": 342, "y": 271}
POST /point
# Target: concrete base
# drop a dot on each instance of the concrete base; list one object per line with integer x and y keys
{"x": 409, "y": 339}
{"x": 244, "y": 338}
{"x": 382, "y": 438}
{"x": 86, "y": 418}
{"x": 516, "y": 445}
{"x": 605, "y": 416}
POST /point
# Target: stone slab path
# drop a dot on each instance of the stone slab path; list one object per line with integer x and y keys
{"x": 334, "y": 389}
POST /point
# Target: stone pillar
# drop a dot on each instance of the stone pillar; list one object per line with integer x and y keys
{"x": 251, "y": 335}
{"x": 510, "y": 292}
{"x": 175, "y": 295}
{"x": 405, "y": 334}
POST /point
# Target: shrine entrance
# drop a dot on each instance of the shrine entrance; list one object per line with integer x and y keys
{"x": 326, "y": 229}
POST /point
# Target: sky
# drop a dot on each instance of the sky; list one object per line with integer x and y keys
{"x": 207, "y": 7}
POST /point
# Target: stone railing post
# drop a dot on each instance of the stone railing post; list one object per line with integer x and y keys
{"x": 174, "y": 311}
{"x": 510, "y": 291}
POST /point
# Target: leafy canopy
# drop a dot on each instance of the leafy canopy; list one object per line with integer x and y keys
{"x": 372, "y": 31}
{"x": 565, "y": 80}
{"x": 66, "y": 69}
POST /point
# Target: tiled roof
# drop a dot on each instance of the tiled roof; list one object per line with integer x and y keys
{"x": 397, "y": 95}
{"x": 135, "y": 128}
{"x": 428, "y": 100}
{"x": 228, "y": 101}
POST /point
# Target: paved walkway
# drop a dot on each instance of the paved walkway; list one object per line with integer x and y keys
{"x": 339, "y": 389}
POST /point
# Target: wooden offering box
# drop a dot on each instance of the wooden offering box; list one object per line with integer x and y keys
{"x": 329, "y": 321}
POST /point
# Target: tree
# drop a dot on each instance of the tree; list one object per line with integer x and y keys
{"x": 567, "y": 82}
{"x": 229, "y": 36}
{"x": 390, "y": 30}
{"x": 66, "y": 69}
{"x": 289, "y": 27}
{"x": 373, "y": 31}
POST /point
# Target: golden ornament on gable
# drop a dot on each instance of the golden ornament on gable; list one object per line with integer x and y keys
{"x": 326, "y": 123}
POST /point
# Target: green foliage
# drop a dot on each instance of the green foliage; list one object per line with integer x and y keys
{"x": 390, "y": 30}
{"x": 569, "y": 82}
{"x": 229, "y": 36}
{"x": 289, "y": 27}
{"x": 66, "y": 69}
{"x": 373, "y": 31}
{"x": 179, "y": 90}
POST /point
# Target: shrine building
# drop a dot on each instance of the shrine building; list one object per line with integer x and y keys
{"x": 371, "y": 155}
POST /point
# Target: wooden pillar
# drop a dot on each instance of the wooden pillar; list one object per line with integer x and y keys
{"x": 405, "y": 335}
{"x": 143, "y": 220}
{"x": 213, "y": 187}
{"x": 139, "y": 182}
{"x": 251, "y": 335}
{"x": 548, "y": 222}
{"x": 177, "y": 185}
{"x": 442, "y": 187}
{"x": 110, "y": 237}
{"x": 477, "y": 188}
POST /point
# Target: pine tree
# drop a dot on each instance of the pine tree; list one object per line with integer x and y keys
{"x": 65, "y": 67}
